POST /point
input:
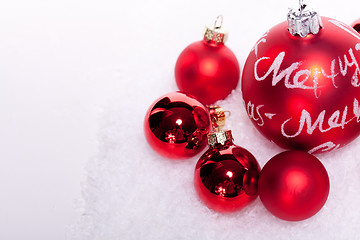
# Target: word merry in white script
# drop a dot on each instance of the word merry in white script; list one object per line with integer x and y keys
{"x": 300, "y": 78}
{"x": 334, "y": 121}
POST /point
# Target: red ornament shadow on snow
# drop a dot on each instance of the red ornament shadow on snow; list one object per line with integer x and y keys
{"x": 303, "y": 93}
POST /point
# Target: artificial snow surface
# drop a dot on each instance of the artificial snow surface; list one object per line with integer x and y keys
{"x": 130, "y": 192}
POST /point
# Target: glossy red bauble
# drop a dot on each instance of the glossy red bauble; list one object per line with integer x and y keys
{"x": 226, "y": 177}
{"x": 208, "y": 71}
{"x": 303, "y": 93}
{"x": 293, "y": 185}
{"x": 176, "y": 125}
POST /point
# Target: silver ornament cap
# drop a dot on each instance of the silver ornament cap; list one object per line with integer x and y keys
{"x": 302, "y": 22}
{"x": 219, "y": 137}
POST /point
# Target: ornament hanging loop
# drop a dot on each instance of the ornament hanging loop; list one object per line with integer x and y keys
{"x": 227, "y": 113}
{"x": 302, "y": 6}
{"x": 216, "y": 23}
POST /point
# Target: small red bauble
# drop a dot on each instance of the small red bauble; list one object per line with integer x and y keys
{"x": 293, "y": 185}
{"x": 208, "y": 69}
{"x": 176, "y": 125}
{"x": 303, "y": 92}
{"x": 226, "y": 175}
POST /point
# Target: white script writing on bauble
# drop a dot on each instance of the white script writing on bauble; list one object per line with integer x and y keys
{"x": 324, "y": 147}
{"x": 337, "y": 119}
{"x": 255, "y": 114}
{"x": 345, "y": 27}
{"x": 308, "y": 79}
{"x": 261, "y": 40}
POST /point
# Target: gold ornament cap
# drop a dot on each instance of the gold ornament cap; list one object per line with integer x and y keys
{"x": 215, "y": 33}
{"x": 302, "y": 22}
{"x": 217, "y": 115}
{"x": 220, "y": 137}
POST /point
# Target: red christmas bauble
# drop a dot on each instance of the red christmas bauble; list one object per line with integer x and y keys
{"x": 293, "y": 185}
{"x": 207, "y": 70}
{"x": 303, "y": 93}
{"x": 226, "y": 176}
{"x": 356, "y": 25}
{"x": 176, "y": 125}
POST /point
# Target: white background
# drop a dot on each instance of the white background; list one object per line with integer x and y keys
{"x": 62, "y": 66}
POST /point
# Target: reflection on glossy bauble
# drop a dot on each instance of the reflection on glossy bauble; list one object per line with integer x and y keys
{"x": 293, "y": 185}
{"x": 226, "y": 177}
{"x": 176, "y": 125}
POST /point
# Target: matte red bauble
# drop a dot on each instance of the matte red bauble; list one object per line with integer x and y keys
{"x": 226, "y": 175}
{"x": 176, "y": 125}
{"x": 301, "y": 85}
{"x": 293, "y": 185}
{"x": 208, "y": 69}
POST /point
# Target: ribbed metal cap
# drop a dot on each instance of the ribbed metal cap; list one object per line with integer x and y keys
{"x": 219, "y": 137}
{"x": 303, "y": 21}
{"x": 215, "y": 33}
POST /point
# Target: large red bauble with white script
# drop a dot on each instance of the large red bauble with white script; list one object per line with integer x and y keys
{"x": 303, "y": 93}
